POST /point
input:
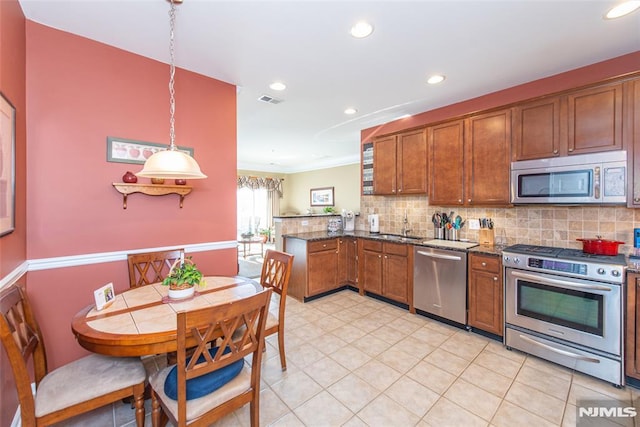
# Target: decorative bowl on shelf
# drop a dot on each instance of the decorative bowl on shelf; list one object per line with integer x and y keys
{"x": 157, "y": 180}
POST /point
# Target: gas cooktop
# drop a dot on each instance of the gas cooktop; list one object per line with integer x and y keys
{"x": 564, "y": 253}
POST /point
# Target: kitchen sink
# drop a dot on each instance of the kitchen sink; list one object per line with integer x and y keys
{"x": 399, "y": 238}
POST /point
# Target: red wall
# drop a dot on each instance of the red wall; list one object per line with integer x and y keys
{"x": 80, "y": 92}
{"x": 557, "y": 83}
{"x": 13, "y": 247}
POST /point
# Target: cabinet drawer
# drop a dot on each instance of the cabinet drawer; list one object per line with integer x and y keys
{"x": 371, "y": 245}
{"x": 486, "y": 263}
{"x": 322, "y": 245}
{"x": 396, "y": 249}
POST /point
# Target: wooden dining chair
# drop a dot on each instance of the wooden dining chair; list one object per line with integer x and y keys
{"x": 78, "y": 387}
{"x": 214, "y": 381}
{"x": 151, "y": 267}
{"x": 276, "y": 270}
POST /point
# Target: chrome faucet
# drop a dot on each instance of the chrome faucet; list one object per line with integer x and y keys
{"x": 405, "y": 225}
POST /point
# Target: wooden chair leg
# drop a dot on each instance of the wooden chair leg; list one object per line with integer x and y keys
{"x": 283, "y": 359}
{"x": 254, "y": 409}
{"x": 156, "y": 412}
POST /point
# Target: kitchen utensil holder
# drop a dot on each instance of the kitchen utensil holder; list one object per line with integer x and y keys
{"x": 438, "y": 233}
{"x": 487, "y": 236}
{"x": 452, "y": 234}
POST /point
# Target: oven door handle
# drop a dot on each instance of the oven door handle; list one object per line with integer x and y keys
{"x": 558, "y": 282}
{"x": 559, "y": 351}
{"x": 440, "y": 256}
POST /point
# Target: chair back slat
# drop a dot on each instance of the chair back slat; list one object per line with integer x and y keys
{"x": 22, "y": 340}
{"x": 151, "y": 267}
{"x": 222, "y": 321}
{"x": 276, "y": 270}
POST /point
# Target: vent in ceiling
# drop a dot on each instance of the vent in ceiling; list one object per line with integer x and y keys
{"x": 269, "y": 99}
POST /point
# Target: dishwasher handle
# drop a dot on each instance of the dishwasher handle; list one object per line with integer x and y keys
{"x": 440, "y": 256}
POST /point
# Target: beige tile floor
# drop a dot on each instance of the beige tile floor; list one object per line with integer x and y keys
{"x": 356, "y": 361}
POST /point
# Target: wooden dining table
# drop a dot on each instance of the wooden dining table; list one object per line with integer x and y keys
{"x": 142, "y": 321}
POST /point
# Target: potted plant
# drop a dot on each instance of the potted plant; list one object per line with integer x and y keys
{"x": 266, "y": 234}
{"x": 182, "y": 278}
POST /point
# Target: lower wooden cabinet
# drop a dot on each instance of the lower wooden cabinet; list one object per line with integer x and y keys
{"x": 386, "y": 270}
{"x": 347, "y": 260}
{"x": 314, "y": 266}
{"x": 632, "y": 353}
{"x": 485, "y": 293}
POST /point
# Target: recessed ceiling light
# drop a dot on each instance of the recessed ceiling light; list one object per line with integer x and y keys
{"x": 278, "y": 86}
{"x": 361, "y": 29}
{"x": 622, "y": 9}
{"x": 350, "y": 110}
{"x": 435, "y": 79}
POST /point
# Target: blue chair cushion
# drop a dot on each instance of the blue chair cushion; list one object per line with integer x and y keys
{"x": 204, "y": 384}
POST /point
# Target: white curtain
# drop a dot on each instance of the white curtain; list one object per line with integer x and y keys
{"x": 274, "y": 193}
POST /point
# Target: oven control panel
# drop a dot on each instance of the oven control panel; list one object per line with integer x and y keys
{"x": 611, "y": 273}
{"x": 560, "y": 266}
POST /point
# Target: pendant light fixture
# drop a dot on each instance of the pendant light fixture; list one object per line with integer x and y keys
{"x": 171, "y": 163}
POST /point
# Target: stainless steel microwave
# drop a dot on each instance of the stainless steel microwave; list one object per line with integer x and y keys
{"x": 599, "y": 178}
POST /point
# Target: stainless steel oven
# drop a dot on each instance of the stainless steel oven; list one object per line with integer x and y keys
{"x": 567, "y": 307}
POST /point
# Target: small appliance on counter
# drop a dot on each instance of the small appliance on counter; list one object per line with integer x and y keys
{"x": 348, "y": 220}
{"x": 374, "y": 223}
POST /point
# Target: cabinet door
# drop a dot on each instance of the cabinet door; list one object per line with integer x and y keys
{"x": 536, "y": 130}
{"x": 595, "y": 119}
{"x": 485, "y": 294}
{"x": 412, "y": 162}
{"x": 396, "y": 277}
{"x": 352, "y": 260}
{"x": 384, "y": 165}
{"x": 446, "y": 154}
{"x": 372, "y": 271}
{"x": 323, "y": 276}
{"x": 488, "y": 159}
{"x": 343, "y": 261}
{"x": 632, "y": 362}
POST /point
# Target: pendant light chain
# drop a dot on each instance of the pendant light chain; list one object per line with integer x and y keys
{"x": 172, "y": 72}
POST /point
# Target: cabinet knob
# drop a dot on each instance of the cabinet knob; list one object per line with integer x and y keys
{"x": 484, "y": 264}
{"x": 636, "y": 199}
{"x": 555, "y": 151}
{"x": 379, "y": 256}
{"x": 570, "y": 150}
{"x": 495, "y": 279}
{"x": 469, "y": 200}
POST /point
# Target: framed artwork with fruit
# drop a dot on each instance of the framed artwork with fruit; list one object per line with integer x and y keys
{"x": 122, "y": 150}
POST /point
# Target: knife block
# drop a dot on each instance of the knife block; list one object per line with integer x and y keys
{"x": 486, "y": 237}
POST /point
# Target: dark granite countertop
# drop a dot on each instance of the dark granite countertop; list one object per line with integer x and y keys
{"x": 488, "y": 249}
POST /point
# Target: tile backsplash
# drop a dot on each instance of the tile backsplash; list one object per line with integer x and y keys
{"x": 541, "y": 225}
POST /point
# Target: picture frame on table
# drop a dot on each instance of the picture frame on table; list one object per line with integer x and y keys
{"x": 7, "y": 166}
{"x": 322, "y": 196}
{"x": 121, "y": 150}
{"x": 104, "y": 296}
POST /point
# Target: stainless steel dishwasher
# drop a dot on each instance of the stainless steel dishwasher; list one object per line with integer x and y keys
{"x": 440, "y": 282}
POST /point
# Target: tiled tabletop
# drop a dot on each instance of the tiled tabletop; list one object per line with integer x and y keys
{"x": 140, "y": 317}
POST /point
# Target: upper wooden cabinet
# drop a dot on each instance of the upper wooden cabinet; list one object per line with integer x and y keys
{"x": 469, "y": 160}
{"x": 400, "y": 163}
{"x": 580, "y": 122}
{"x": 446, "y": 157}
{"x": 632, "y": 140}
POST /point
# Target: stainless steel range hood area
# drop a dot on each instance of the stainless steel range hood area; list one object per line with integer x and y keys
{"x": 599, "y": 178}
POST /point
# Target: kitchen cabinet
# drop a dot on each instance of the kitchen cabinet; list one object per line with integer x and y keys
{"x": 578, "y": 122}
{"x": 400, "y": 163}
{"x": 632, "y": 341}
{"x": 314, "y": 266}
{"x": 347, "y": 260}
{"x": 632, "y": 135}
{"x": 469, "y": 160}
{"x": 485, "y": 293}
{"x": 385, "y": 270}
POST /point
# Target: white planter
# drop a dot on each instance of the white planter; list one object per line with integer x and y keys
{"x": 181, "y": 293}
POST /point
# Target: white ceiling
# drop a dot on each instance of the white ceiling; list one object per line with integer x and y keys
{"x": 481, "y": 46}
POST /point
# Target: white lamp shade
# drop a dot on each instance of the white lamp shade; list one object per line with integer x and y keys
{"x": 171, "y": 164}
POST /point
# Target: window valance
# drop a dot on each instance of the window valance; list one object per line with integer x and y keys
{"x": 256, "y": 182}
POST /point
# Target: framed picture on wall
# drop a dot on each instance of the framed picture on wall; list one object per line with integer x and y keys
{"x": 7, "y": 166}
{"x": 122, "y": 150}
{"x": 322, "y": 196}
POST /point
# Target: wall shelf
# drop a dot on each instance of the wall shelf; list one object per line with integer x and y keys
{"x": 151, "y": 190}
